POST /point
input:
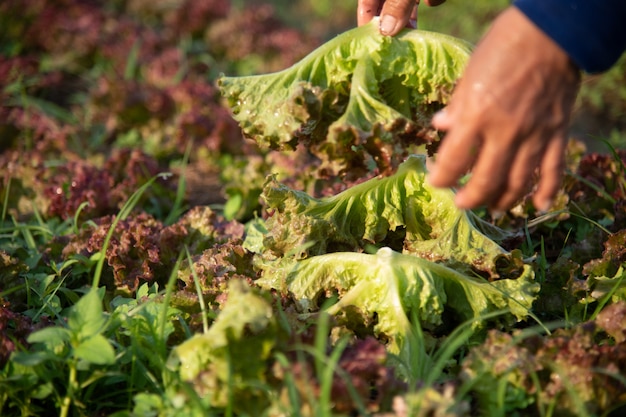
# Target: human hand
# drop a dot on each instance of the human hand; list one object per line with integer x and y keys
{"x": 394, "y": 14}
{"x": 508, "y": 117}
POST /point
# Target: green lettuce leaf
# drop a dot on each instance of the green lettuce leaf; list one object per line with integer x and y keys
{"x": 400, "y": 211}
{"x": 361, "y": 97}
{"x": 396, "y": 287}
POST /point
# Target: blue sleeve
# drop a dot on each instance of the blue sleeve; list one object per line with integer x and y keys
{"x": 592, "y": 32}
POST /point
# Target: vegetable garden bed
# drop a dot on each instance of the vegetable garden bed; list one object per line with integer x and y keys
{"x": 153, "y": 261}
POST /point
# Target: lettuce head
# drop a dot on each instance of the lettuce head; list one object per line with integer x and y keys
{"x": 403, "y": 293}
{"x": 395, "y": 249}
{"x": 360, "y": 98}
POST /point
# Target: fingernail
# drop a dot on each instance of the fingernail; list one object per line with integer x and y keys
{"x": 497, "y": 214}
{"x": 387, "y": 24}
{"x": 544, "y": 207}
{"x": 439, "y": 116}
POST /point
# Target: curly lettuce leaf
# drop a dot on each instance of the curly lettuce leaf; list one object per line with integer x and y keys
{"x": 229, "y": 360}
{"x": 400, "y": 211}
{"x": 395, "y": 287}
{"x": 361, "y": 95}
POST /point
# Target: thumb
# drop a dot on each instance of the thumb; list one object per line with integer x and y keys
{"x": 395, "y": 14}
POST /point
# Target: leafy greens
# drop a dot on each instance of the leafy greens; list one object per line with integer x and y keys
{"x": 312, "y": 247}
{"x": 224, "y": 361}
{"x": 395, "y": 288}
{"x": 361, "y": 95}
{"x": 400, "y": 211}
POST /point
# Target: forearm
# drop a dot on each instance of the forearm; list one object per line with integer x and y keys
{"x": 592, "y": 33}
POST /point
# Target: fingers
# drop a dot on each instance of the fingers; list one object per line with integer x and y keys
{"x": 502, "y": 170}
{"x": 442, "y": 120}
{"x": 395, "y": 15}
{"x": 528, "y": 162}
{"x": 489, "y": 162}
{"x": 517, "y": 178}
{"x": 507, "y": 118}
{"x": 552, "y": 167}
{"x": 456, "y": 154}
{"x": 367, "y": 10}
{"x": 487, "y": 182}
{"x": 502, "y": 163}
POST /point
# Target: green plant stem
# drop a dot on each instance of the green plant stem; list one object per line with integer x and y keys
{"x": 5, "y": 203}
{"x": 169, "y": 289}
{"x": 196, "y": 281}
{"x": 326, "y": 377}
{"x": 67, "y": 400}
{"x": 80, "y": 208}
